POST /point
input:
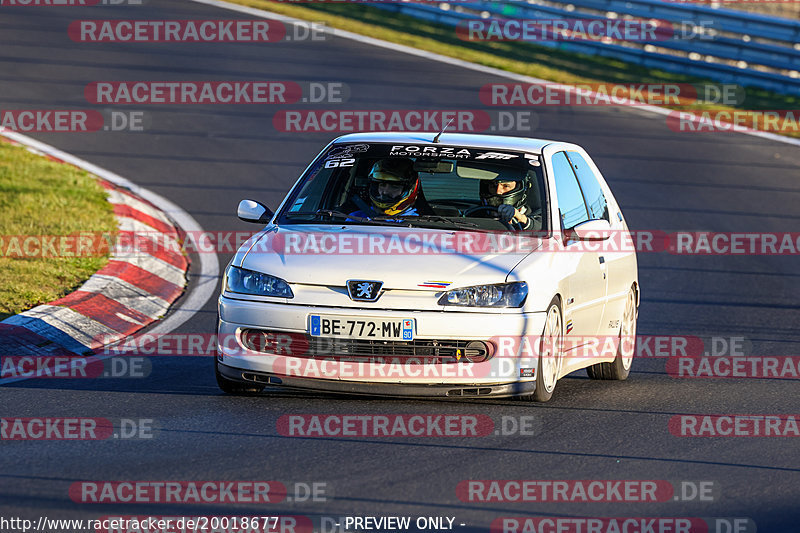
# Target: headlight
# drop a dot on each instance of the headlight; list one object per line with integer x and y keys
{"x": 255, "y": 283}
{"x": 500, "y": 295}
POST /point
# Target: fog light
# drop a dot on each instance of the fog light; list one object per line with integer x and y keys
{"x": 477, "y": 352}
{"x": 255, "y": 340}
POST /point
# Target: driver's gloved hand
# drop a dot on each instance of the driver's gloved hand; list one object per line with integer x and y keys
{"x": 506, "y": 212}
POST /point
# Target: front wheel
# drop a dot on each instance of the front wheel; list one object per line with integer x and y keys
{"x": 549, "y": 353}
{"x": 620, "y": 368}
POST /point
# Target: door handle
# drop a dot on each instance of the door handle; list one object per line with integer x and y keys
{"x": 602, "y": 260}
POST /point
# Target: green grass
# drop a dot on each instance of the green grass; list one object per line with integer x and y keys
{"x": 42, "y": 197}
{"x": 518, "y": 57}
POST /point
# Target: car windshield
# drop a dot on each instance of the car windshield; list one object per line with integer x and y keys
{"x": 433, "y": 185}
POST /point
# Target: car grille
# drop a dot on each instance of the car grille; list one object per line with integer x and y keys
{"x": 418, "y": 351}
{"x": 430, "y": 351}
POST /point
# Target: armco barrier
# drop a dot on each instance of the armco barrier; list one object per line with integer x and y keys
{"x": 734, "y": 39}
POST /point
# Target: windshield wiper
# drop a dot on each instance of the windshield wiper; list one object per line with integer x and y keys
{"x": 375, "y": 221}
{"x": 332, "y": 213}
{"x": 439, "y": 218}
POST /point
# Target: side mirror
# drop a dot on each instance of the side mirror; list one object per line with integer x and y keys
{"x": 592, "y": 230}
{"x": 252, "y": 211}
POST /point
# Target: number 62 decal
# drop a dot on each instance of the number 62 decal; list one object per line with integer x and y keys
{"x": 334, "y": 163}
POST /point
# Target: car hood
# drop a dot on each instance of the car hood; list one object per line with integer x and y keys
{"x": 402, "y": 258}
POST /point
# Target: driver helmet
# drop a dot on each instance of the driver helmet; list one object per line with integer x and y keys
{"x": 393, "y": 185}
{"x": 515, "y": 195}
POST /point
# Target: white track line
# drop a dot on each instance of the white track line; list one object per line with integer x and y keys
{"x": 471, "y": 66}
{"x": 208, "y": 268}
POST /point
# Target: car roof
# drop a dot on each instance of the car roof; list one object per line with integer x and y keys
{"x": 468, "y": 140}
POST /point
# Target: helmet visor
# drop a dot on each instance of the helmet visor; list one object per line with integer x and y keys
{"x": 496, "y": 192}
{"x": 383, "y": 175}
{"x": 388, "y": 192}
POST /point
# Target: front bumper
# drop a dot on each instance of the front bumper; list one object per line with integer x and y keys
{"x": 376, "y": 389}
{"x": 501, "y": 375}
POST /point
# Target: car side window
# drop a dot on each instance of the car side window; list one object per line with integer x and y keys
{"x": 598, "y": 206}
{"x": 571, "y": 205}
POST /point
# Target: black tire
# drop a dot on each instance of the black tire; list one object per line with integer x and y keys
{"x": 608, "y": 371}
{"x": 544, "y": 390}
{"x": 620, "y": 368}
{"x": 234, "y": 387}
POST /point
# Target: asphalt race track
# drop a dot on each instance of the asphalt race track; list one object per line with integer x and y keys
{"x": 205, "y": 158}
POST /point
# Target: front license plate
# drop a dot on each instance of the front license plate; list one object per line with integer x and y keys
{"x": 360, "y": 327}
